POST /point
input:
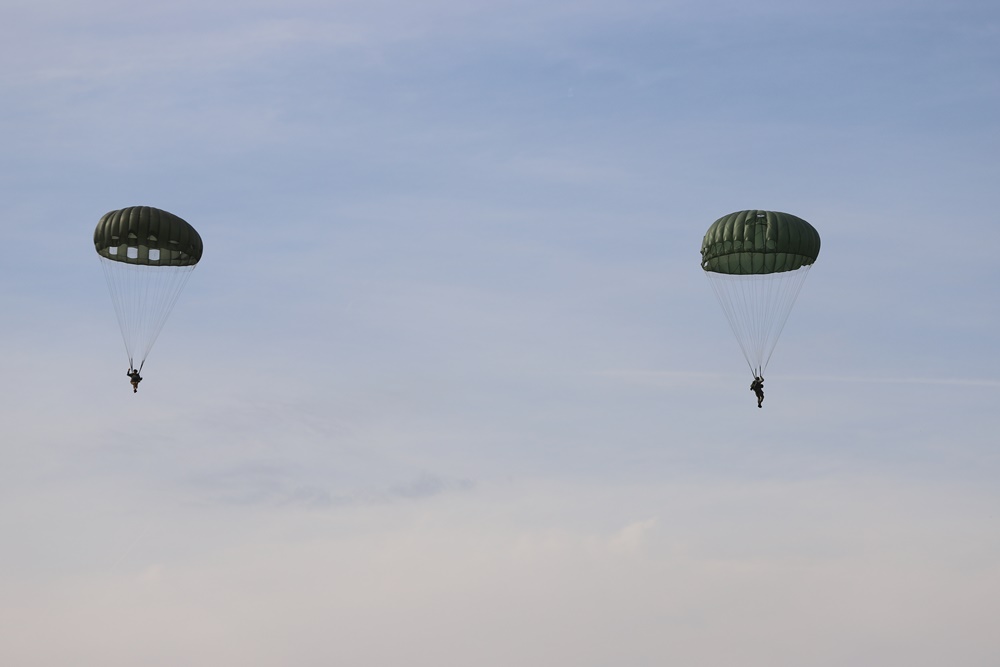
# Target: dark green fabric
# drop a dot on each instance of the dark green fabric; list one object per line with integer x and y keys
{"x": 146, "y": 228}
{"x": 755, "y": 242}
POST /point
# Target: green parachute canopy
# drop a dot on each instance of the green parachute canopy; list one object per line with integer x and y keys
{"x": 757, "y": 242}
{"x": 147, "y": 236}
{"x": 147, "y": 255}
{"x": 757, "y": 262}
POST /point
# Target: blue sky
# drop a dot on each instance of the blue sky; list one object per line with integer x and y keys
{"x": 448, "y": 387}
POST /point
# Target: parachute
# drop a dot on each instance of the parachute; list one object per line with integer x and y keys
{"x": 757, "y": 262}
{"x": 147, "y": 255}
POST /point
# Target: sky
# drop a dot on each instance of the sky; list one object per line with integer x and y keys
{"x": 448, "y": 388}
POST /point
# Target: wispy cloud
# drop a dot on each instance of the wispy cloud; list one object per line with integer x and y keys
{"x": 283, "y": 486}
{"x": 426, "y": 485}
{"x": 676, "y": 377}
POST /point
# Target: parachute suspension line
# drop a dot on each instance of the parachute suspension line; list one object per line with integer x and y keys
{"x": 162, "y": 290}
{"x": 728, "y": 307}
{"x": 786, "y": 299}
{"x": 757, "y": 307}
{"x": 143, "y": 297}
{"x": 116, "y": 288}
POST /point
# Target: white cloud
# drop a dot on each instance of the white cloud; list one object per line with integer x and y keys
{"x": 817, "y": 573}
